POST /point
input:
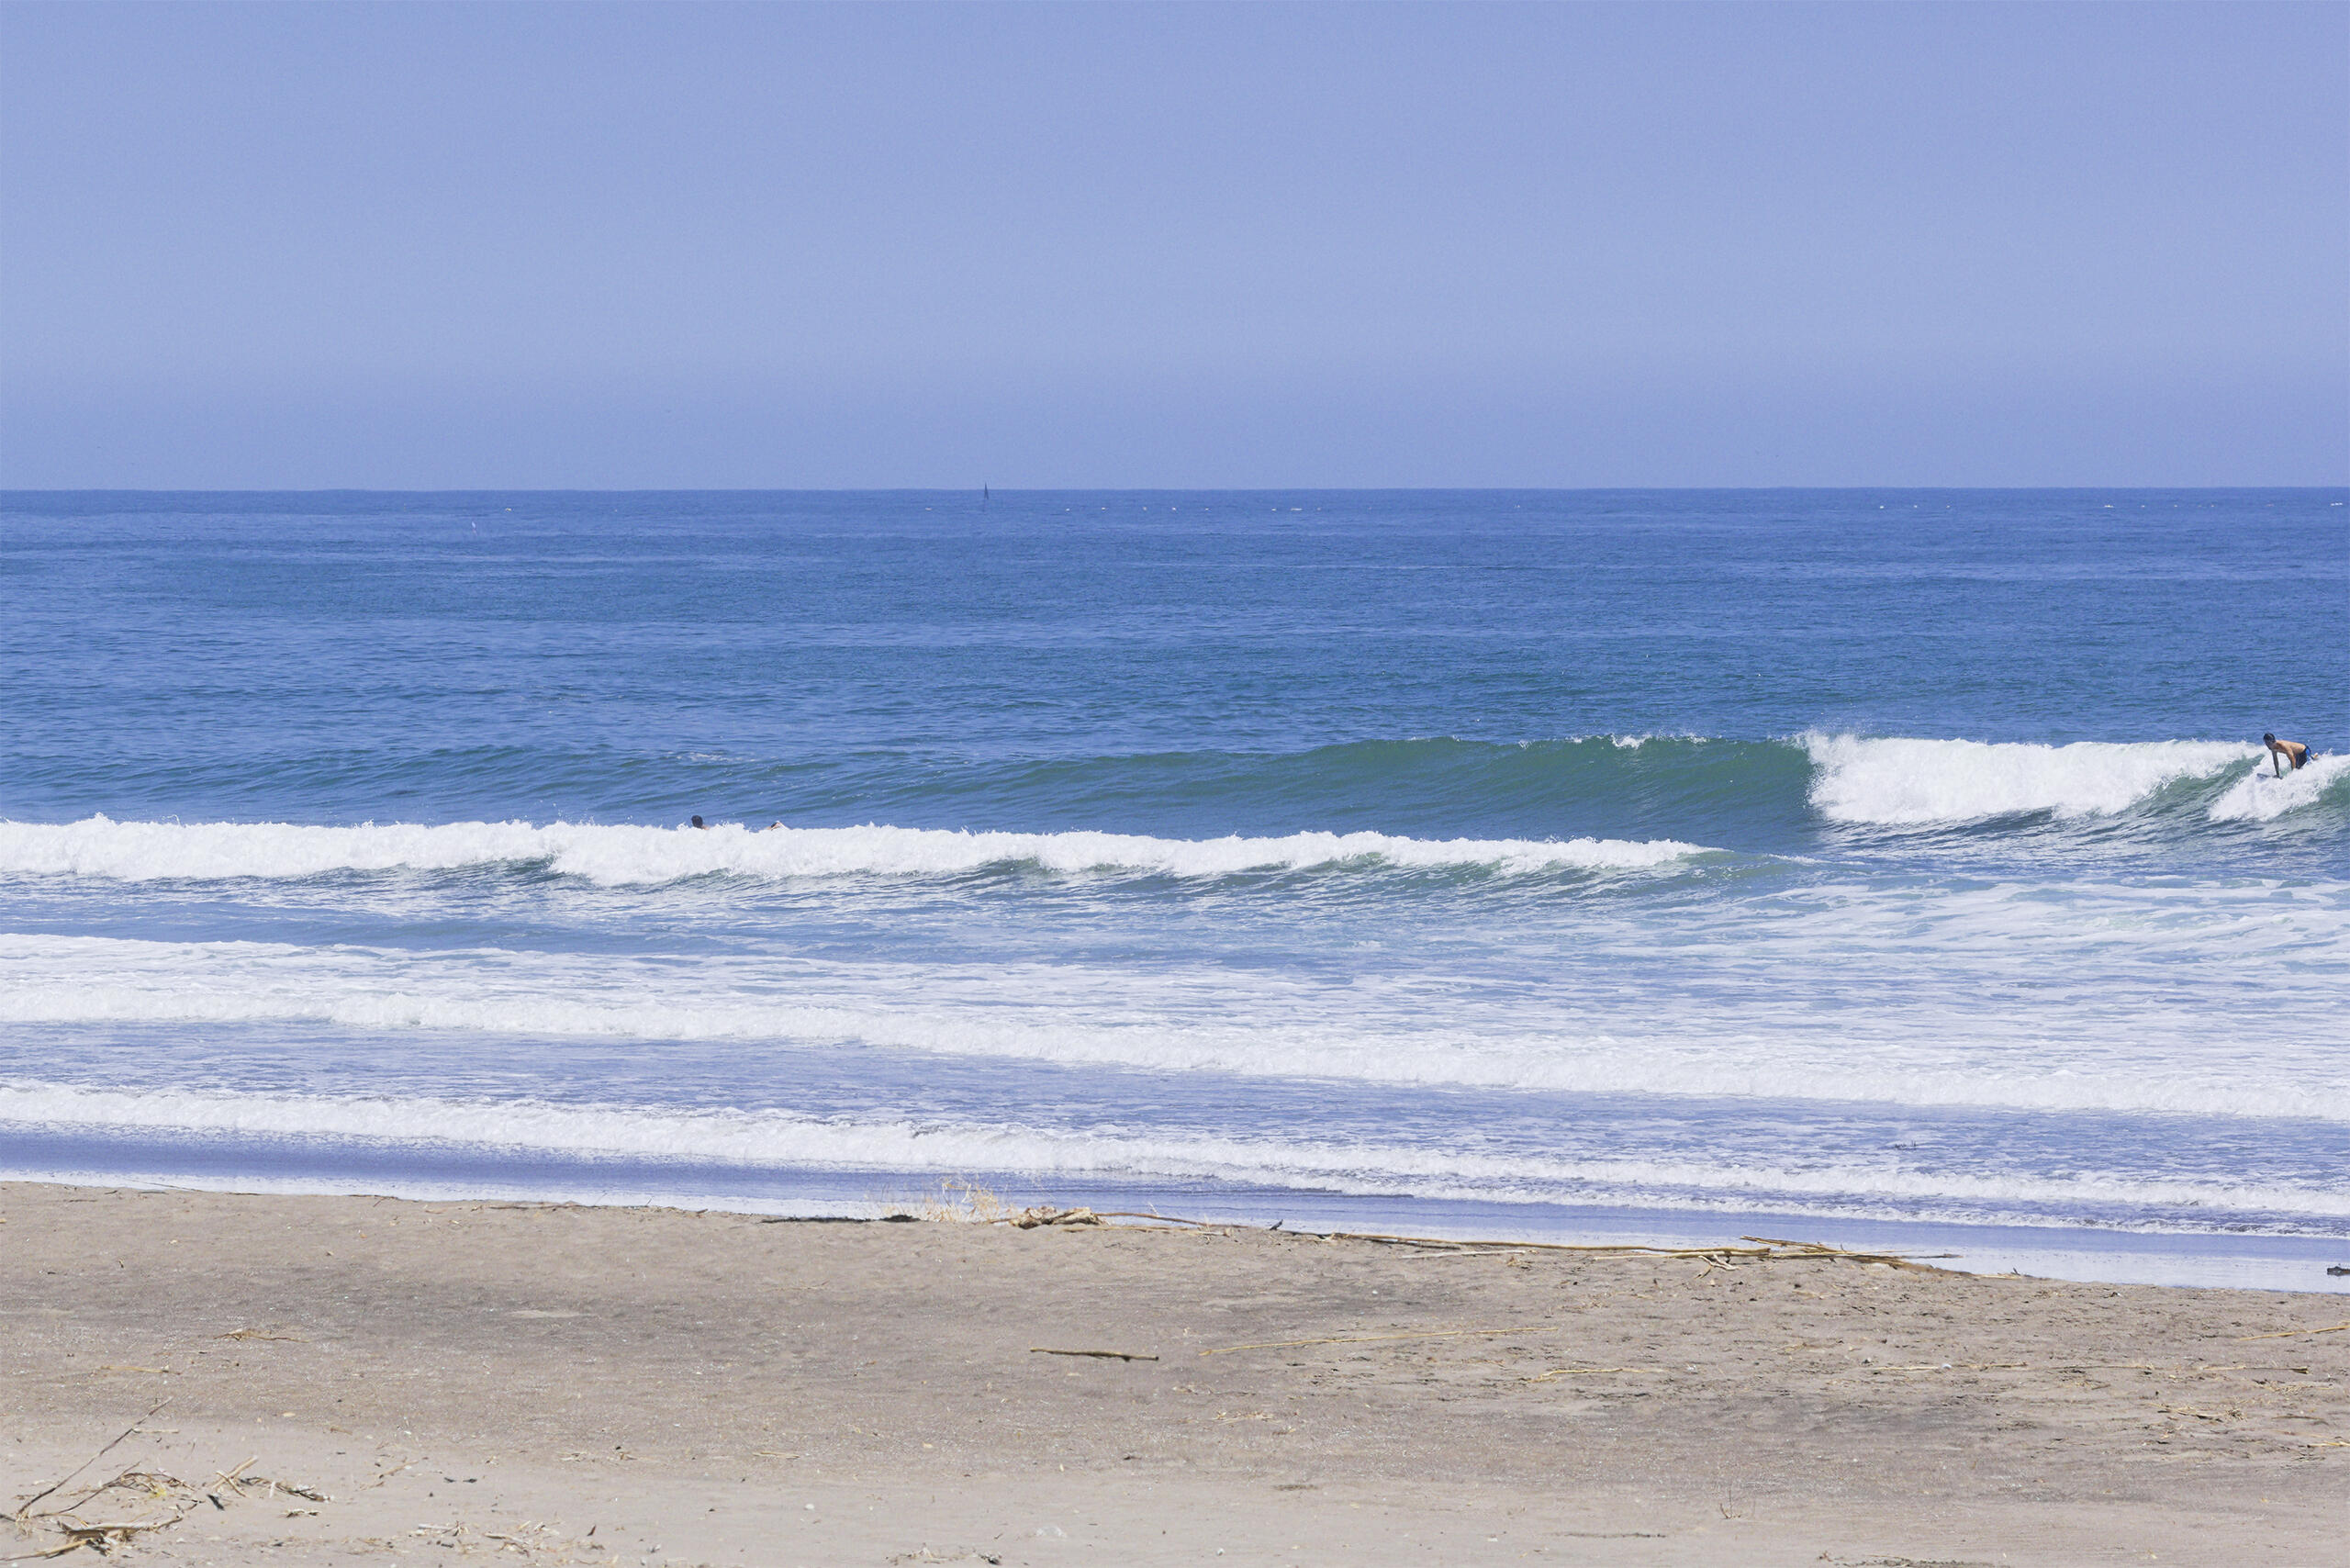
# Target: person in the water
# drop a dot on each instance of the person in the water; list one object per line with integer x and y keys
{"x": 2282, "y": 751}
{"x": 700, "y": 823}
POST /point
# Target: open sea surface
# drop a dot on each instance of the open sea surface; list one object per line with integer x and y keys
{"x": 1888, "y": 864}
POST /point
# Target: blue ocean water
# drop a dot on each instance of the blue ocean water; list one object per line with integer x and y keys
{"x": 1857, "y": 857}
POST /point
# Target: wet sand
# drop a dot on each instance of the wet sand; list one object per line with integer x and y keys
{"x": 427, "y": 1382}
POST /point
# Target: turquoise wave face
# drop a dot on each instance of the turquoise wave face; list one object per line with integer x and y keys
{"x": 1863, "y": 854}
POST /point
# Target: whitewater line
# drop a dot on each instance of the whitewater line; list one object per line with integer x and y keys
{"x": 633, "y": 855}
{"x": 1921, "y": 782}
{"x": 786, "y": 1138}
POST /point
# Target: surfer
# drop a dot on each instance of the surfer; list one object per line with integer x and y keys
{"x": 2282, "y": 751}
{"x": 702, "y": 825}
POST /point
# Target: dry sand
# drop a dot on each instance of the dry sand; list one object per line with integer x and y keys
{"x": 463, "y": 1382}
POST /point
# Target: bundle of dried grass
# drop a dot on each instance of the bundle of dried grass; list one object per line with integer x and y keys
{"x": 960, "y": 1202}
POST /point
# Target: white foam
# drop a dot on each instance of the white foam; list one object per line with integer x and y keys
{"x": 1979, "y": 1033}
{"x": 1897, "y": 782}
{"x": 2260, "y": 795}
{"x": 787, "y": 1139}
{"x": 625, "y": 855}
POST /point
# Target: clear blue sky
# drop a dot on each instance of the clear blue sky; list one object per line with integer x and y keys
{"x": 429, "y": 246}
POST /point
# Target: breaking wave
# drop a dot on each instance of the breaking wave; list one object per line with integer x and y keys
{"x": 1597, "y": 804}
{"x": 1917, "y": 782}
{"x": 626, "y": 856}
{"x": 2261, "y": 796}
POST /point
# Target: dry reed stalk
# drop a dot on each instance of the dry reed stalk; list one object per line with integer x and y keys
{"x": 2292, "y": 1333}
{"x": 1586, "y": 1372}
{"x": 157, "y": 1485}
{"x": 25, "y": 1507}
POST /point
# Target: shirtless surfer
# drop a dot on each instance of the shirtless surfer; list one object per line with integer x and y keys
{"x": 2282, "y": 751}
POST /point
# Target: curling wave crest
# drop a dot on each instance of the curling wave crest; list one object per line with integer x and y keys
{"x": 629, "y": 855}
{"x": 2261, "y": 795}
{"x": 1916, "y": 782}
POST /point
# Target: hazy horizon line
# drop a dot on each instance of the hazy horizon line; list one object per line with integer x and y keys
{"x": 1131, "y": 490}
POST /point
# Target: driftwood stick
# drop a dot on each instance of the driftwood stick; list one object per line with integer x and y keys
{"x": 25, "y": 1506}
{"x": 1105, "y": 1355}
{"x": 1821, "y": 1249}
{"x": 2293, "y": 1333}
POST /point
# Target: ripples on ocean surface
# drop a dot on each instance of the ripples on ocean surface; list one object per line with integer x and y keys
{"x": 1486, "y": 859}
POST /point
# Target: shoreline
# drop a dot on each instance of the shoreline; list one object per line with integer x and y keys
{"x": 585, "y": 1384}
{"x": 2078, "y": 1253}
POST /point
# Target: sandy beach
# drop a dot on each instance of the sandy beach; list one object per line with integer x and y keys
{"x": 352, "y": 1380}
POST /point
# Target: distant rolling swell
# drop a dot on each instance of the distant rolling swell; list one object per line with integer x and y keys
{"x": 621, "y": 856}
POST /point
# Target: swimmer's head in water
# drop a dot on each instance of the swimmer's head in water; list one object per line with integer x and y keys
{"x": 697, "y": 822}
